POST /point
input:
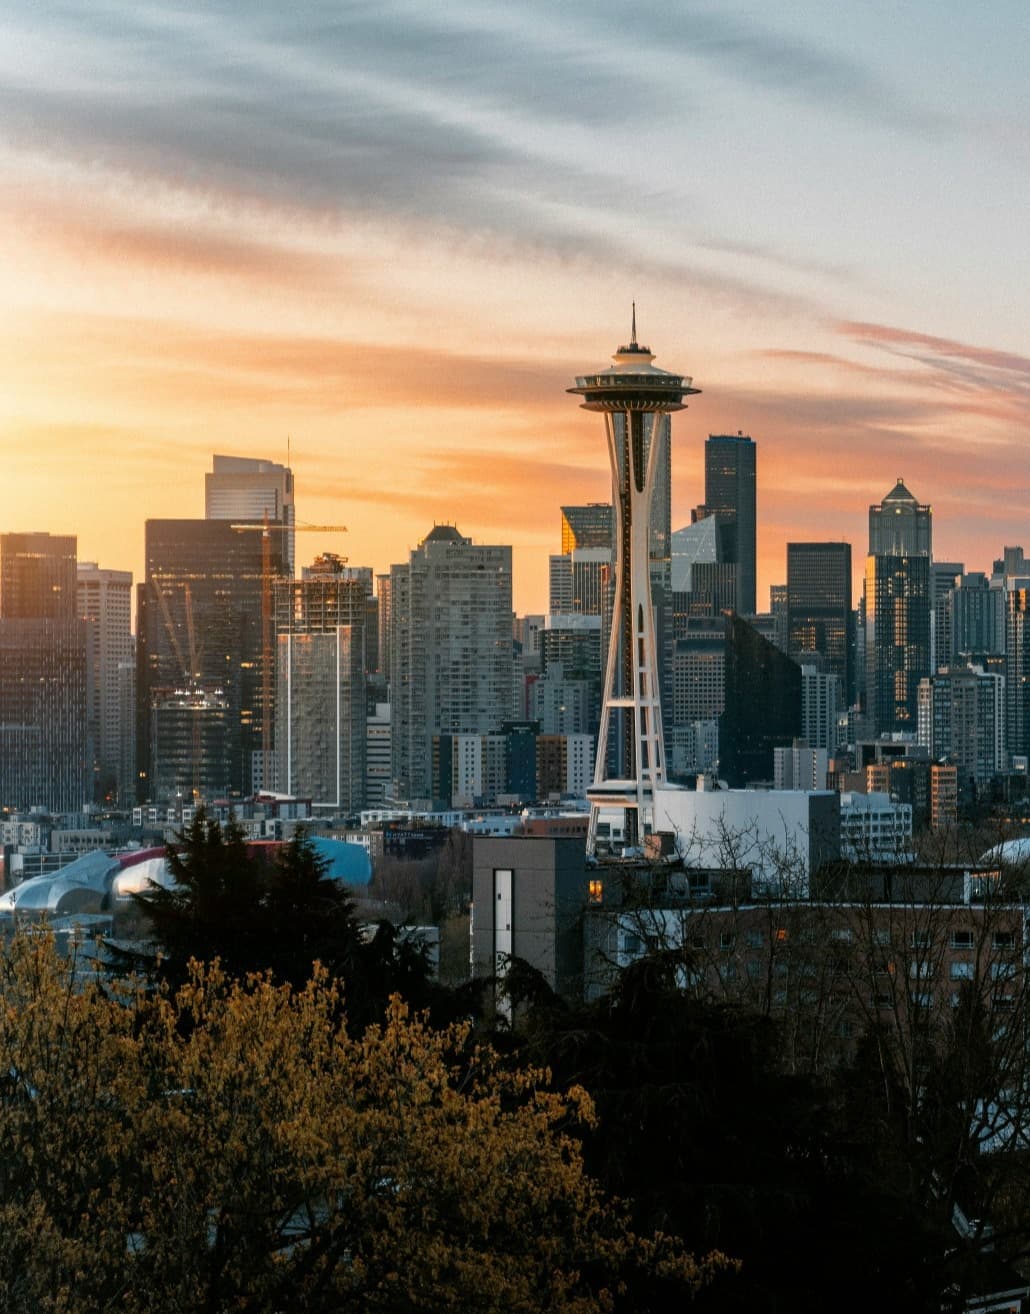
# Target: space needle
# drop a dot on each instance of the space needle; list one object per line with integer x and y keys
{"x": 633, "y": 395}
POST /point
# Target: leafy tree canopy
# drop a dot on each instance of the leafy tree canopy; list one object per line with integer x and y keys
{"x": 230, "y": 1147}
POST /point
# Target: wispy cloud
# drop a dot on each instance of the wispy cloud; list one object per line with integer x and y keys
{"x": 159, "y": 361}
{"x": 462, "y": 117}
{"x": 747, "y": 50}
{"x": 985, "y": 381}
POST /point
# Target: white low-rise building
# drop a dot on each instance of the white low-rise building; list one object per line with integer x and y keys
{"x": 873, "y": 827}
{"x": 779, "y": 836}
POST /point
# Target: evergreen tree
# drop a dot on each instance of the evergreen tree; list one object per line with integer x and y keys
{"x": 283, "y": 916}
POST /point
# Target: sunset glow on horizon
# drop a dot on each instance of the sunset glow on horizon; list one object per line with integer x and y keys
{"x": 386, "y": 239}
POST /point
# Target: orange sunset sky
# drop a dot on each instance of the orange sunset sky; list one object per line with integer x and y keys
{"x": 391, "y": 236}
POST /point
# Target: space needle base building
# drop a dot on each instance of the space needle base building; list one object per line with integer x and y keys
{"x": 633, "y": 395}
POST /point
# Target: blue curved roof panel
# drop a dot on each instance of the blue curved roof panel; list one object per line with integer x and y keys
{"x": 347, "y": 862}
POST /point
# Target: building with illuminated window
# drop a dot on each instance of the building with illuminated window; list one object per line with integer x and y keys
{"x": 962, "y": 721}
{"x": 451, "y": 651}
{"x": 45, "y": 746}
{"x": 897, "y": 606}
{"x": 199, "y": 630}
{"x": 819, "y": 614}
{"x": 37, "y": 576}
{"x": 45, "y": 757}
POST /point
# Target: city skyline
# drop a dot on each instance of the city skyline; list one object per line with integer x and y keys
{"x": 389, "y": 237}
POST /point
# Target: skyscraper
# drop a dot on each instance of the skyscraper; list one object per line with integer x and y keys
{"x": 962, "y": 720}
{"x": 1017, "y": 665}
{"x": 590, "y": 526}
{"x": 105, "y": 603}
{"x": 977, "y": 616}
{"x": 37, "y": 576}
{"x": 822, "y": 701}
{"x": 45, "y": 753}
{"x": 944, "y": 575}
{"x": 199, "y": 655}
{"x": 450, "y": 650}
{"x": 695, "y": 544}
{"x": 246, "y": 488}
{"x": 819, "y": 614}
{"x": 635, "y": 398}
{"x": 900, "y": 526}
{"x": 320, "y": 734}
{"x": 896, "y": 607}
{"x": 730, "y": 495}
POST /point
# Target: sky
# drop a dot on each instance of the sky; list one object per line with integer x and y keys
{"x": 385, "y": 238}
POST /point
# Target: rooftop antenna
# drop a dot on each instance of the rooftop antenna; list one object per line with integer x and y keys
{"x": 633, "y": 335}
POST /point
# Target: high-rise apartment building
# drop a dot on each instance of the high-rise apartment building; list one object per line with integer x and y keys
{"x": 320, "y": 723}
{"x": 245, "y": 488}
{"x": 45, "y": 751}
{"x": 819, "y": 612}
{"x": 822, "y": 702}
{"x": 562, "y": 704}
{"x": 730, "y": 495}
{"x": 962, "y": 721}
{"x": 199, "y": 656}
{"x": 573, "y": 641}
{"x": 104, "y": 602}
{"x": 451, "y": 650}
{"x": 897, "y": 609}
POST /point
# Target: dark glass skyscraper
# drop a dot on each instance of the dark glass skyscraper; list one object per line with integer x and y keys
{"x": 199, "y": 653}
{"x": 37, "y": 576}
{"x": 590, "y": 526}
{"x": 730, "y": 494}
{"x": 897, "y": 607}
{"x": 819, "y": 615}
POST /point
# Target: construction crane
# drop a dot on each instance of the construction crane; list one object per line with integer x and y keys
{"x": 266, "y": 530}
{"x": 190, "y": 670}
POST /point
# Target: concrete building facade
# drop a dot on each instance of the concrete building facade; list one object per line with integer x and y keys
{"x": 451, "y": 650}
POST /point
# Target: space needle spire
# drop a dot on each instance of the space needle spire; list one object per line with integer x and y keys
{"x": 633, "y": 395}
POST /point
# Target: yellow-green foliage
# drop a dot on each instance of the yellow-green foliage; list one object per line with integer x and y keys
{"x": 232, "y": 1148}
